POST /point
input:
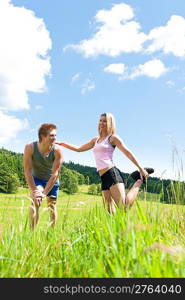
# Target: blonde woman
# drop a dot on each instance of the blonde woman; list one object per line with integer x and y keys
{"x": 112, "y": 182}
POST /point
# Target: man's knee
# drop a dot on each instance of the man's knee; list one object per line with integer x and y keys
{"x": 35, "y": 204}
{"x": 33, "y": 210}
{"x": 51, "y": 203}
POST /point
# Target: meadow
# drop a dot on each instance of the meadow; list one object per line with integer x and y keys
{"x": 145, "y": 242}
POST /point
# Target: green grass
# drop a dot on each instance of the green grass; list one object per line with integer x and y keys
{"x": 147, "y": 241}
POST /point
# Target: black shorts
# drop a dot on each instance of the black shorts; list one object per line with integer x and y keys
{"x": 111, "y": 177}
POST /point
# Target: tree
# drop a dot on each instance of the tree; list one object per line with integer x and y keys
{"x": 68, "y": 181}
{"x": 87, "y": 180}
{"x": 80, "y": 177}
{"x": 99, "y": 190}
{"x": 94, "y": 189}
{"x": 9, "y": 181}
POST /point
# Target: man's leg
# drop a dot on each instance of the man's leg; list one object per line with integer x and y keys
{"x": 35, "y": 202}
{"x": 53, "y": 210}
{"x": 51, "y": 201}
{"x": 34, "y": 213}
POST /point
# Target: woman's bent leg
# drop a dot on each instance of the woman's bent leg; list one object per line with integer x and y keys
{"x": 132, "y": 193}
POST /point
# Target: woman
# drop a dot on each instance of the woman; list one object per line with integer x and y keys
{"x": 112, "y": 182}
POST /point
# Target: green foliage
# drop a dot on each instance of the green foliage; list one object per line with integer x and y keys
{"x": 9, "y": 181}
{"x": 68, "y": 180}
{"x": 173, "y": 192}
{"x": 14, "y": 162}
{"x": 87, "y": 180}
{"x": 169, "y": 191}
{"x": 89, "y": 172}
{"x": 154, "y": 184}
{"x": 80, "y": 177}
{"x": 99, "y": 190}
{"x": 94, "y": 189}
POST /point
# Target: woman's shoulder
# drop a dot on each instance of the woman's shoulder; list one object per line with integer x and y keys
{"x": 114, "y": 137}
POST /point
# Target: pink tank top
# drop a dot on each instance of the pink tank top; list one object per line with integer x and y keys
{"x": 103, "y": 152}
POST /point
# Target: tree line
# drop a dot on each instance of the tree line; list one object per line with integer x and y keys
{"x": 72, "y": 175}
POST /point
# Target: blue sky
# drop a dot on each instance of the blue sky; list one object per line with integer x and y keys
{"x": 67, "y": 62}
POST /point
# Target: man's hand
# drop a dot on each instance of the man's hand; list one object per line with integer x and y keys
{"x": 37, "y": 195}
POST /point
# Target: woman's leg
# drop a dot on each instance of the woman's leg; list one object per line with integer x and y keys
{"x": 117, "y": 192}
{"x": 133, "y": 192}
{"x": 108, "y": 201}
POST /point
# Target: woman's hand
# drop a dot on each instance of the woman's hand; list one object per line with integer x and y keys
{"x": 143, "y": 173}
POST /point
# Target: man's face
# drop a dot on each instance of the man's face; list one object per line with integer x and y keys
{"x": 51, "y": 137}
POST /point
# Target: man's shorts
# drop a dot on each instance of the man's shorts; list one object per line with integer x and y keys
{"x": 54, "y": 191}
{"x": 111, "y": 177}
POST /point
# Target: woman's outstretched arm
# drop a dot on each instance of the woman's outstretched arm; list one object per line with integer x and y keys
{"x": 82, "y": 148}
{"x": 115, "y": 140}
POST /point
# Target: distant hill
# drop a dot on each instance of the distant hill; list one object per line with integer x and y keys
{"x": 166, "y": 187}
{"x": 154, "y": 184}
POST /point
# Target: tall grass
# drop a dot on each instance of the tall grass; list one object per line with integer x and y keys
{"x": 147, "y": 241}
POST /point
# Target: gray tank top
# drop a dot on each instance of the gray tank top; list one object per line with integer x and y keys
{"x": 42, "y": 164}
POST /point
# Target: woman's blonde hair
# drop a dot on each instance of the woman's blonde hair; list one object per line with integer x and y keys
{"x": 111, "y": 124}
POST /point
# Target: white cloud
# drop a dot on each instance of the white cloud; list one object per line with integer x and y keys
{"x": 38, "y": 107}
{"x": 9, "y": 127}
{"x": 119, "y": 13}
{"x": 87, "y": 86}
{"x": 117, "y": 34}
{"x": 115, "y": 68}
{"x": 170, "y": 83}
{"x": 24, "y": 63}
{"x": 169, "y": 38}
{"x": 75, "y": 78}
{"x": 153, "y": 68}
{"x": 182, "y": 90}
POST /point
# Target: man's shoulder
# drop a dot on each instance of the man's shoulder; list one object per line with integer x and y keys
{"x": 58, "y": 149}
{"x": 29, "y": 147}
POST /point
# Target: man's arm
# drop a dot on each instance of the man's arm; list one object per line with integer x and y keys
{"x": 28, "y": 151}
{"x": 55, "y": 170}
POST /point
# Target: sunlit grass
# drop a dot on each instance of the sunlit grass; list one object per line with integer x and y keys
{"x": 147, "y": 241}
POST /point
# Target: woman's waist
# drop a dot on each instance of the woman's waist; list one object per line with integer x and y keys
{"x": 104, "y": 164}
{"x": 103, "y": 171}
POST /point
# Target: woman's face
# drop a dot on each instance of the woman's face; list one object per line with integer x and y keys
{"x": 103, "y": 123}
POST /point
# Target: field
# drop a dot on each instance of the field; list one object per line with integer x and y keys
{"x": 147, "y": 241}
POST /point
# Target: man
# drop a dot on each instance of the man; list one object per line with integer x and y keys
{"x": 42, "y": 163}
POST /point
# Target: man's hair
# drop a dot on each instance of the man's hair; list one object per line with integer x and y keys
{"x": 44, "y": 130}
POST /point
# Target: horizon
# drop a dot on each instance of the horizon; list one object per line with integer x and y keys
{"x": 93, "y": 167}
